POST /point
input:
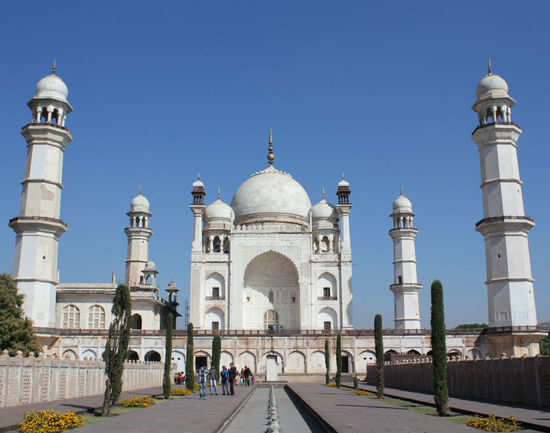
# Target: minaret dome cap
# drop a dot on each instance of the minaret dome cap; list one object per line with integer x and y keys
{"x": 52, "y": 87}
{"x": 492, "y": 86}
{"x": 402, "y": 205}
{"x": 139, "y": 204}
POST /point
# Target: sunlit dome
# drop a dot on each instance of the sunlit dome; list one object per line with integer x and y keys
{"x": 139, "y": 204}
{"x": 270, "y": 193}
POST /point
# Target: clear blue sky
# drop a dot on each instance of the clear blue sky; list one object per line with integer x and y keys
{"x": 379, "y": 90}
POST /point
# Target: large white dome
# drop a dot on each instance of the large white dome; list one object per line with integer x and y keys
{"x": 269, "y": 193}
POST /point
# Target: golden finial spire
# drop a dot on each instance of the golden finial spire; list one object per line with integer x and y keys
{"x": 490, "y": 67}
{"x": 270, "y": 154}
{"x": 219, "y": 192}
{"x": 54, "y": 67}
{"x": 323, "y": 194}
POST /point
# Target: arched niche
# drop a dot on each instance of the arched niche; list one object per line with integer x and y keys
{"x": 89, "y": 355}
{"x": 326, "y": 286}
{"x": 152, "y": 356}
{"x": 135, "y": 321}
{"x": 214, "y": 319}
{"x": 327, "y": 319}
{"x": 132, "y": 356}
{"x": 274, "y": 273}
{"x": 215, "y": 285}
{"x": 296, "y": 363}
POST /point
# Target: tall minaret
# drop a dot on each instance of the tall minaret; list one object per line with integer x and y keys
{"x": 504, "y": 225}
{"x": 138, "y": 234}
{"x": 198, "y": 208}
{"x": 38, "y": 225}
{"x": 405, "y": 285}
{"x": 343, "y": 207}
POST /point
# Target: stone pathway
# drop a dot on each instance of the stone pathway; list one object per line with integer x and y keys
{"x": 178, "y": 415}
{"x": 525, "y": 415}
{"x": 346, "y": 412}
{"x": 11, "y": 416}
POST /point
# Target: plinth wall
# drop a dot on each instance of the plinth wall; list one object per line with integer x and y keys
{"x": 33, "y": 380}
{"x": 524, "y": 381}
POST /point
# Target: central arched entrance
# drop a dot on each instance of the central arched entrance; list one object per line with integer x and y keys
{"x": 271, "y": 298}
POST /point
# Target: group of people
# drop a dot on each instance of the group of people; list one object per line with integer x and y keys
{"x": 229, "y": 378}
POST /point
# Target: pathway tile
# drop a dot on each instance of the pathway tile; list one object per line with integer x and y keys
{"x": 350, "y": 413}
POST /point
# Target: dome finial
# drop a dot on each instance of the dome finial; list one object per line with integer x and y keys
{"x": 401, "y": 189}
{"x": 490, "y": 67}
{"x": 323, "y": 194}
{"x": 219, "y": 192}
{"x": 140, "y": 189}
{"x": 198, "y": 176}
{"x": 270, "y": 154}
{"x": 54, "y": 66}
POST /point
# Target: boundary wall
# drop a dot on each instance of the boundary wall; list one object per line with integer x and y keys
{"x": 521, "y": 381}
{"x": 34, "y": 380}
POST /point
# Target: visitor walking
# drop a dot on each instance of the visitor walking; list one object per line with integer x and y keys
{"x": 232, "y": 376}
{"x": 203, "y": 375}
{"x": 247, "y": 375}
{"x": 213, "y": 379}
{"x": 225, "y": 380}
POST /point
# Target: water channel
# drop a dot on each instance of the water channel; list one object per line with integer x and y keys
{"x": 254, "y": 416}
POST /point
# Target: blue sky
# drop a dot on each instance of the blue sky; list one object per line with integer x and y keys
{"x": 379, "y": 90}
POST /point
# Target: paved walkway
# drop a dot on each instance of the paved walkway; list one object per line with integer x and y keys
{"x": 11, "y": 416}
{"x": 346, "y": 412}
{"x": 524, "y": 415}
{"x": 178, "y": 415}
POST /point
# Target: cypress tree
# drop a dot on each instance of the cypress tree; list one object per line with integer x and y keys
{"x": 116, "y": 347}
{"x": 189, "y": 370}
{"x": 439, "y": 350}
{"x": 327, "y": 363}
{"x": 338, "y": 360}
{"x": 216, "y": 354}
{"x": 379, "y": 347}
{"x": 16, "y": 331}
{"x": 166, "y": 384}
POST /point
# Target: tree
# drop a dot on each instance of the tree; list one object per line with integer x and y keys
{"x": 116, "y": 347}
{"x": 216, "y": 353}
{"x": 439, "y": 350}
{"x": 327, "y": 363}
{"x": 545, "y": 345}
{"x": 166, "y": 384}
{"x": 338, "y": 360}
{"x": 16, "y": 331}
{"x": 472, "y": 326}
{"x": 379, "y": 348}
{"x": 189, "y": 371}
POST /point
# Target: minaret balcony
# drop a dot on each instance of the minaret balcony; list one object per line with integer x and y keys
{"x": 32, "y": 223}
{"x": 405, "y": 287}
{"x": 505, "y": 223}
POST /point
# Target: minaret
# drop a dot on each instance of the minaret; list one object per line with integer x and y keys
{"x": 138, "y": 234}
{"x": 405, "y": 285}
{"x": 504, "y": 226}
{"x": 38, "y": 226}
{"x": 198, "y": 208}
{"x": 343, "y": 207}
